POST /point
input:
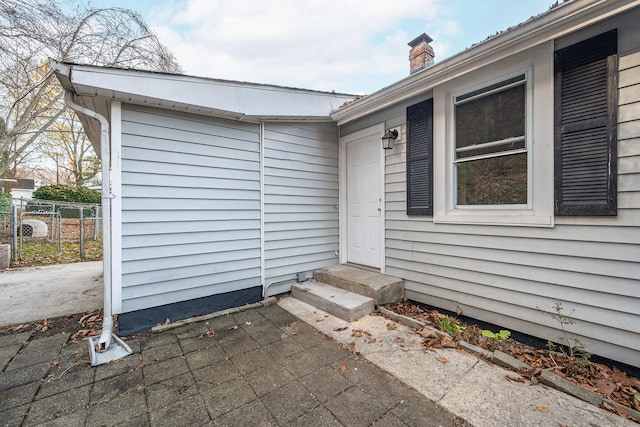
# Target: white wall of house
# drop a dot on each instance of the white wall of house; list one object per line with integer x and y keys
{"x": 300, "y": 200}
{"x": 190, "y": 206}
{"x": 22, "y": 193}
{"x": 192, "y": 197}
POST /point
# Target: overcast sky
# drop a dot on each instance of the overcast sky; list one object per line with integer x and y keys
{"x": 350, "y": 46}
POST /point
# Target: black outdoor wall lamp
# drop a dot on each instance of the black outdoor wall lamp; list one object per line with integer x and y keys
{"x": 389, "y": 138}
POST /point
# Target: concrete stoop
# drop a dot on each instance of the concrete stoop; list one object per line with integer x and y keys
{"x": 348, "y": 292}
{"x": 342, "y": 303}
{"x": 382, "y": 288}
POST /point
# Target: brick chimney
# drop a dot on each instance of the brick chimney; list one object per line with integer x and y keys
{"x": 421, "y": 54}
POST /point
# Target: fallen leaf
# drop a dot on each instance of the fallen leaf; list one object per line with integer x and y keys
{"x": 342, "y": 367}
{"x": 320, "y": 319}
{"x": 84, "y": 333}
{"x": 207, "y": 334}
{"x": 391, "y": 326}
{"x": 458, "y": 311}
{"x": 607, "y": 406}
{"x": 367, "y": 333}
{"x": 427, "y": 333}
{"x": 340, "y": 329}
{"x": 443, "y": 359}
{"x": 448, "y": 342}
{"x": 352, "y": 348}
{"x": 293, "y": 333}
{"x": 530, "y": 374}
{"x": 399, "y": 340}
{"x": 605, "y": 386}
{"x": 622, "y": 410}
{"x": 292, "y": 324}
{"x": 543, "y": 409}
{"x": 356, "y": 333}
{"x": 518, "y": 379}
{"x": 432, "y": 343}
{"x": 166, "y": 322}
{"x": 233, "y": 327}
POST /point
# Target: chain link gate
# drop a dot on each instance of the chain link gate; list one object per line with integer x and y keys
{"x": 41, "y": 229}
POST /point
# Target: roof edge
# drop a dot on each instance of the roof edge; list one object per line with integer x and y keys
{"x": 66, "y": 68}
{"x": 551, "y": 24}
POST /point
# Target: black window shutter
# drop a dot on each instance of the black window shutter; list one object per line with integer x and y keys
{"x": 586, "y": 126}
{"x": 420, "y": 158}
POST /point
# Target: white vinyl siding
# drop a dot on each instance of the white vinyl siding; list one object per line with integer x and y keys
{"x": 190, "y": 207}
{"x": 300, "y": 199}
{"x": 508, "y": 275}
{"x": 629, "y": 136}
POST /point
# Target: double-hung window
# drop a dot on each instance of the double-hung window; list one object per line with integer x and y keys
{"x": 490, "y": 160}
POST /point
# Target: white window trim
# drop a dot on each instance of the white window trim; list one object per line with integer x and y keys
{"x": 537, "y": 64}
{"x": 527, "y": 136}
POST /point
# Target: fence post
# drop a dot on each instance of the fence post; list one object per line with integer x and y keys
{"x": 59, "y": 218}
{"x": 14, "y": 224}
{"x": 81, "y": 233}
{"x": 95, "y": 223}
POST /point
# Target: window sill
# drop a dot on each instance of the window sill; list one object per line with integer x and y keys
{"x": 502, "y": 218}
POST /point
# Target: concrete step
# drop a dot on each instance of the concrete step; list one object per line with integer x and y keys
{"x": 341, "y": 303}
{"x": 382, "y": 288}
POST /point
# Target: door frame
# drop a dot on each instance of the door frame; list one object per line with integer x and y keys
{"x": 377, "y": 131}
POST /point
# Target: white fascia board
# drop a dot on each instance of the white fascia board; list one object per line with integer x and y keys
{"x": 287, "y": 119}
{"x": 206, "y": 96}
{"x": 62, "y": 72}
{"x": 563, "y": 19}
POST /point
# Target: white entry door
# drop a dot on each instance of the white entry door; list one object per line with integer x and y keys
{"x": 364, "y": 197}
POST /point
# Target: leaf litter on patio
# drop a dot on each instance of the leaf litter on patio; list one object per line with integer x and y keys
{"x": 607, "y": 382}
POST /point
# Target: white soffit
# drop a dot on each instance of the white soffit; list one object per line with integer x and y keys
{"x": 234, "y": 100}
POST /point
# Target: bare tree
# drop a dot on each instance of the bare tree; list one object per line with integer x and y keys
{"x": 31, "y": 32}
{"x": 66, "y": 145}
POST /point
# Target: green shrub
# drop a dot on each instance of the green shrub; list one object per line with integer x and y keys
{"x": 5, "y": 202}
{"x": 68, "y": 193}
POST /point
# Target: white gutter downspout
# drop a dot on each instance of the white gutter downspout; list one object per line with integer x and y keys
{"x": 107, "y": 316}
{"x": 262, "y": 266}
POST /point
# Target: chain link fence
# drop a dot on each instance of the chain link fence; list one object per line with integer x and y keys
{"x": 44, "y": 232}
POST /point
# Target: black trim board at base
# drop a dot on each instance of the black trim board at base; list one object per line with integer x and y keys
{"x": 139, "y": 320}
